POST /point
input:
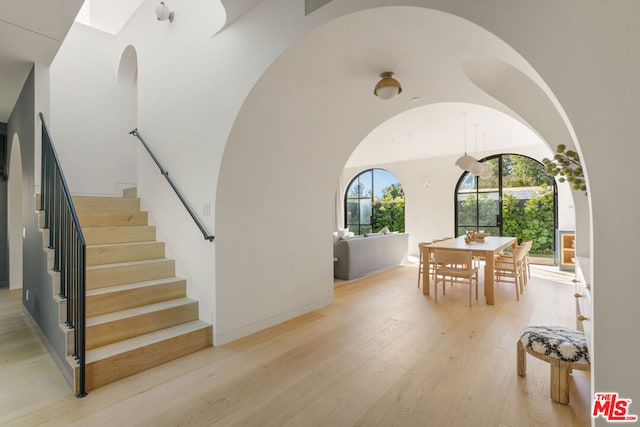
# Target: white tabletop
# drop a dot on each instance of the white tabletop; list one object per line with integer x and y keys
{"x": 491, "y": 243}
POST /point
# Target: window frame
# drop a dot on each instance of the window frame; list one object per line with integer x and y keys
{"x": 346, "y": 199}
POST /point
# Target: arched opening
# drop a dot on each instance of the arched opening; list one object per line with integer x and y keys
{"x": 128, "y": 84}
{"x": 374, "y": 199}
{"x": 15, "y": 219}
{"x": 279, "y": 143}
{"x": 519, "y": 199}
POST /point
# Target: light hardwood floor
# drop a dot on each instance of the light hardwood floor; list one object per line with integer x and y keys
{"x": 383, "y": 354}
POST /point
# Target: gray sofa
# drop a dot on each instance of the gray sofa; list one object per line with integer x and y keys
{"x": 357, "y": 256}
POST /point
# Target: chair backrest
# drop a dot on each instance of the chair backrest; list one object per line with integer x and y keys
{"x": 453, "y": 257}
{"x": 519, "y": 254}
{"x": 527, "y": 245}
{"x": 422, "y": 248}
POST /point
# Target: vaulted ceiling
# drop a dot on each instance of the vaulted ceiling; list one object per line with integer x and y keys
{"x": 33, "y": 30}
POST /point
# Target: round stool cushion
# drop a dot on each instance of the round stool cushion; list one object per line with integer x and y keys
{"x": 568, "y": 345}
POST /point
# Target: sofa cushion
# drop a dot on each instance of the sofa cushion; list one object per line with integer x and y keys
{"x": 360, "y": 255}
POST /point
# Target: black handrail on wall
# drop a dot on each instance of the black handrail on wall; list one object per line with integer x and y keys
{"x": 164, "y": 172}
{"x": 67, "y": 241}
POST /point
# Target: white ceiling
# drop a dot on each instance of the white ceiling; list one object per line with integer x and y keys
{"x": 426, "y": 58}
{"x": 431, "y": 54}
{"x": 438, "y": 130}
{"x": 30, "y": 31}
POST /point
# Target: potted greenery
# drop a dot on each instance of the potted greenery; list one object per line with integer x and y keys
{"x": 566, "y": 163}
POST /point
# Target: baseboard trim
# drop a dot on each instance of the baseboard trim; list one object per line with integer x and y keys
{"x": 63, "y": 367}
{"x": 229, "y": 336}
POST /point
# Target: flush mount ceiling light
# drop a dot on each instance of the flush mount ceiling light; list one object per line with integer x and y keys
{"x": 163, "y": 13}
{"x": 387, "y": 87}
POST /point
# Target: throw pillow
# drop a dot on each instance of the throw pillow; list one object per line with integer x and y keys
{"x": 342, "y": 232}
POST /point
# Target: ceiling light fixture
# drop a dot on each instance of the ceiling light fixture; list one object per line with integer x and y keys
{"x": 485, "y": 170}
{"x": 163, "y": 13}
{"x": 479, "y": 169}
{"x": 466, "y": 161}
{"x": 387, "y": 87}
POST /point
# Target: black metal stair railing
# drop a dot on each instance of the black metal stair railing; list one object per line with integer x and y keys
{"x": 173, "y": 185}
{"x": 67, "y": 241}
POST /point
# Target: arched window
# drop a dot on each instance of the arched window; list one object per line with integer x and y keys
{"x": 374, "y": 200}
{"x": 518, "y": 199}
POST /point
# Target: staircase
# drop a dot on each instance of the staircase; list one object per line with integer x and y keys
{"x": 138, "y": 315}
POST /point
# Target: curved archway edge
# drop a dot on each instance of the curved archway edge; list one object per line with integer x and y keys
{"x": 15, "y": 214}
{"x": 312, "y": 140}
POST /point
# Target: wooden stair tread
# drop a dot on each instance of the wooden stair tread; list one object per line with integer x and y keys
{"x": 143, "y": 340}
{"x": 113, "y": 253}
{"x": 149, "y": 308}
{"x": 128, "y": 264}
{"x": 114, "y": 212}
{"x": 128, "y": 286}
{"x": 100, "y": 218}
{"x": 124, "y": 244}
{"x": 119, "y": 234}
{"x": 83, "y": 203}
{"x": 114, "y": 228}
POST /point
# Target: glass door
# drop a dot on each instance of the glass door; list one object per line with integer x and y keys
{"x": 518, "y": 199}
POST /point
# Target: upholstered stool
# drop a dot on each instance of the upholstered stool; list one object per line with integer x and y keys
{"x": 565, "y": 349}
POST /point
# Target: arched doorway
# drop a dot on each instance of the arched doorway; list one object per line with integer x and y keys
{"x": 287, "y": 149}
{"x": 15, "y": 219}
{"x": 518, "y": 199}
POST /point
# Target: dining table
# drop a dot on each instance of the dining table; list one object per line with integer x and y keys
{"x": 488, "y": 248}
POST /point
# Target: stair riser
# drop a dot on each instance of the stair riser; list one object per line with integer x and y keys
{"x": 125, "y": 253}
{"x": 102, "y": 204}
{"x": 131, "y": 298}
{"x": 129, "y": 274}
{"x": 130, "y": 192}
{"x": 109, "y": 235}
{"x": 126, "y": 364}
{"x": 106, "y": 219}
{"x": 122, "y": 329}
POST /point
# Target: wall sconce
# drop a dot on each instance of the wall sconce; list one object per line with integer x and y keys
{"x": 163, "y": 13}
{"x": 387, "y": 87}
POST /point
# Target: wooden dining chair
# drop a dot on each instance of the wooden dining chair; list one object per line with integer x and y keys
{"x": 422, "y": 253}
{"x": 511, "y": 268}
{"x": 455, "y": 265}
{"x": 526, "y": 245}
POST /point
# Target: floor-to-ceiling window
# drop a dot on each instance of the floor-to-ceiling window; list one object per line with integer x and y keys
{"x": 518, "y": 199}
{"x": 374, "y": 200}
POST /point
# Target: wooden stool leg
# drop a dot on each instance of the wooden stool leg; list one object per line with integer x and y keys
{"x": 560, "y": 381}
{"x": 522, "y": 359}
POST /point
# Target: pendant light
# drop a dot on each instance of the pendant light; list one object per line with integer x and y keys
{"x": 476, "y": 166}
{"x": 465, "y": 162}
{"x": 485, "y": 170}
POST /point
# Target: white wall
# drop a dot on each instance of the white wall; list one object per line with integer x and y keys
{"x": 551, "y": 47}
{"x": 184, "y": 110}
{"x": 91, "y": 114}
{"x": 200, "y": 97}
